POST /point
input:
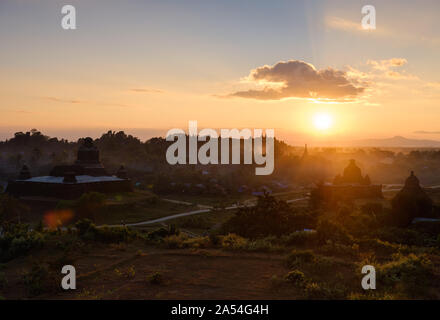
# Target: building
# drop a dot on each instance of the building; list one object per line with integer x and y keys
{"x": 87, "y": 174}
{"x": 350, "y": 185}
{"x": 411, "y": 202}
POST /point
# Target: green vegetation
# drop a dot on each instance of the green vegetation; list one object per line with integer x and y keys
{"x": 321, "y": 263}
{"x": 270, "y": 217}
{"x": 17, "y": 240}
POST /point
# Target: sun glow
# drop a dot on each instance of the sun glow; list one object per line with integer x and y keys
{"x": 322, "y": 121}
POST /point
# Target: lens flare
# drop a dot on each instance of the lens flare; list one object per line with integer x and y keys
{"x": 57, "y": 218}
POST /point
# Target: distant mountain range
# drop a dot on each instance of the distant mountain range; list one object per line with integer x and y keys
{"x": 397, "y": 141}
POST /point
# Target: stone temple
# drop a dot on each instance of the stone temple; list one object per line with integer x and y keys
{"x": 350, "y": 185}
{"x": 412, "y": 201}
{"x": 87, "y": 174}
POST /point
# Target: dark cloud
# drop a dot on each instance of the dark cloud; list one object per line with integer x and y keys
{"x": 298, "y": 79}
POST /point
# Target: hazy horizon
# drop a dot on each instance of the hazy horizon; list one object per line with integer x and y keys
{"x": 145, "y": 134}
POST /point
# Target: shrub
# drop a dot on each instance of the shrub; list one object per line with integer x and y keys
{"x": 299, "y": 238}
{"x": 270, "y": 217}
{"x": 234, "y": 242}
{"x": 83, "y": 226}
{"x": 155, "y": 278}
{"x": 18, "y": 240}
{"x": 267, "y": 244}
{"x": 114, "y": 234}
{"x": 412, "y": 273}
{"x": 39, "y": 280}
{"x": 296, "y": 277}
{"x": 162, "y": 233}
{"x": 128, "y": 273}
{"x": 315, "y": 291}
{"x": 335, "y": 248}
{"x": 402, "y": 236}
{"x": 379, "y": 246}
{"x": 324, "y": 265}
{"x": 89, "y": 205}
{"x": 175, "y": 241}
{"x": 88, "y": 231}
{"x": 328, "y": 230}
{"x": 298, "y": 257}
{"x": 199, "y": 242}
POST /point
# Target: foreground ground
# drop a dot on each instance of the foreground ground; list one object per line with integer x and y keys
{"x": 188, "y": 258}
{"x": 123, "y": 272}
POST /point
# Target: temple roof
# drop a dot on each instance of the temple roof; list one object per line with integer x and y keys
{"x": 80, "y": 179}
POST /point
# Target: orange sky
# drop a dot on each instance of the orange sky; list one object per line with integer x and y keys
{"x": 158, "y": 66}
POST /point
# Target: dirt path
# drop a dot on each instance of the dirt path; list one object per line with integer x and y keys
{"x": 189, "y": 213}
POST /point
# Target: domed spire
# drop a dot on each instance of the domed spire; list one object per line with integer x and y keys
{"x": 88, "y": 153}
{"x": 352, "y": 173}
{"x": 412, "y": 181}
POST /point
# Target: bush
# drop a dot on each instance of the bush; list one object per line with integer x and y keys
{"x": 328, "y": 230}
{"x": 39, "y": 280}
{"x": 299, "y": 238}
{"x": 176, "y": 241}
{"x": 296, "y": 277}
{"x": 402, "y": 236}
{"x": 379, "y": 246}
{"x": 18, "y": 240}
{"x": 298, "y": 257}
{"x": 128, "y": 273}
{"x": 88, "y": 231}
{"x": 234, "y": 242}
{"x": 83, "y": 226}
{"x": 335, "y": 248}
{"x": 316, "y": 291}
{"x": 412, "y": 273}
{"x": 267, "y": 244}
{"x": 162, "y": 233}
{"x": 156, "y": 278}
{"x": 89, "y": 205}
{"x": 270, "y": 217}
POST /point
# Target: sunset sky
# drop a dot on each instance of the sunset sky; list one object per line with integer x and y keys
{"x": 305, "y": 68}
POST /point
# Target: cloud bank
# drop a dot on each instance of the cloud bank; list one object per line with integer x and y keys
{"x": 299, "y": 79}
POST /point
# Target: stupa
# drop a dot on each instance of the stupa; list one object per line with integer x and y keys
{"x": 348, "y": 186}
{"x": 411, "y": 202}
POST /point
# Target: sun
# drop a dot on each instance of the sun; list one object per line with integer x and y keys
{"x": 322, "y": 121}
